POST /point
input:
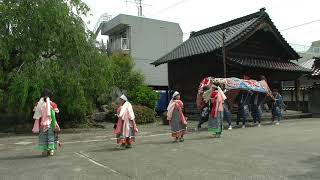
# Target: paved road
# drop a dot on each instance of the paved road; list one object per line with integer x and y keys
{"x": 288, "y": 151}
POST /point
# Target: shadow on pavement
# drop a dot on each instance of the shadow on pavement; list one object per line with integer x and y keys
{"x": 112, "y": 149}
{"x": 313, "y": 174}
{"x": 170, "y": 141}
{"x": 166, "y": 142}
{"x": 201, "y": 137}
{"x": 21, "y": 157}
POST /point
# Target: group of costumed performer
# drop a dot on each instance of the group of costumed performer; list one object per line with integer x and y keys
{"x": 125, "y": 127}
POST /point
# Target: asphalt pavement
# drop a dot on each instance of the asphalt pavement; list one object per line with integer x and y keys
{"x": 289, "y": 151}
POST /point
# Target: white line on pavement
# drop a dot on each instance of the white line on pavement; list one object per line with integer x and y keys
{"x": 23, "y": 143}
{"x": 92, "y": 140}
{"x": 95, "y": 162}
{"x": 152, "y": 135}
{"x": 103, "y": 136}
{"x": 83, "y": 155}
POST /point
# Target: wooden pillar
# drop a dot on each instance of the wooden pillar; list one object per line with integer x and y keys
{"x": 170, "y": 78}
{"x": 297, "y": 93}
{"x": 304, "y": 109}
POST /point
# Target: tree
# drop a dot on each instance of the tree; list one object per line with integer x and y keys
{"x": 36, "y": 30}
{"x": 44, "y": 44}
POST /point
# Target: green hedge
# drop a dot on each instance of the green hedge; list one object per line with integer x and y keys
{"x": 143, "y": 114}
{"x": 145, "y": 96}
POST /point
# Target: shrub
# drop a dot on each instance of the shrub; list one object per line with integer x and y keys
{"x": 2, "y": 101}
{"x": 145, "y": 96}
{"x": 110, "y": 116}
{"x": 143, "y": 114}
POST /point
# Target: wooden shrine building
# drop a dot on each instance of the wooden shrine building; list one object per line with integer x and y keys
{"x": 253, "y": 47}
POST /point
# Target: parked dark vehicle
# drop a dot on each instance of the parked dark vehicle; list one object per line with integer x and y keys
{"x": 162, "y": 103}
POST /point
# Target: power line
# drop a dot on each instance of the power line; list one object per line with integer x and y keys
{"x": 139, "y": 5}
{"x": 299, "y": 25}
{"x": 292, "y": 27}
{"x": 169, "y": 7}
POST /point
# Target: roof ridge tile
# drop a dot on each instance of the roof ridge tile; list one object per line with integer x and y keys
{"x": 229, "y": 23}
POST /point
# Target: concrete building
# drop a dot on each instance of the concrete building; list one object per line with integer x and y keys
{"x": 144, "y": 40}
{"x": 308, "y": 54}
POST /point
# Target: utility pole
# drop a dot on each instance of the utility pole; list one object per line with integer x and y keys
{"x": 139, "y": 5}
{"x": 224, "y": 56}
{"x": 224, "y": 52}
{"x": 139, "y": 8}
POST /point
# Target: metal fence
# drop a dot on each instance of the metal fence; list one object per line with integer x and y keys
{"x": 103, "y": 18}
{"x": 119, "y": 44}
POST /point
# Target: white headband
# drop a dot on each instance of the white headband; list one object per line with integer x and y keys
{"x": 123, "y": 97}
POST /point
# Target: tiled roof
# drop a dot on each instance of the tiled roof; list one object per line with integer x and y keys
{"x": 316, "y": 67}
{"x": 210, "y": 39}
{"x": 308, "y": 64}
{"x": 316, "y": 72}
{"x": 312, "y": 64}
{"x": 269, "y": 64}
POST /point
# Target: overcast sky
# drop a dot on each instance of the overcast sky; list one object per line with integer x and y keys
{"x": 193, "y": 15}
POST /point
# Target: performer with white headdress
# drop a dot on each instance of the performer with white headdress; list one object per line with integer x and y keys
{"x": 126, "y": 127}
{"x": 45, "y": 124}
{"x": 176, "y": 118}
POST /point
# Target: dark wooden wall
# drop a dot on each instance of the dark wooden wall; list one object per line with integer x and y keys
{"x": 185, "y": 75}
{"x": 264, "y": 44}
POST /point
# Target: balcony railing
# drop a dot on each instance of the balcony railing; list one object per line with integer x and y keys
{"x": 120, "y": 44}
{"x": 125, "y": 44}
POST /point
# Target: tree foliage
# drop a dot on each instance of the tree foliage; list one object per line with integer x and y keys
{"x": 124, "y": 76}
{"x": 76, "y": 91}
{"x": 45, "y": 44}
{"x": 41, "y": 29}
